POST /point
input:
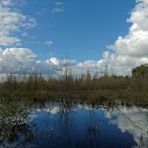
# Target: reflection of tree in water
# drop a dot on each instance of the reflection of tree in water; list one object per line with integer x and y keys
{"x": 14, "y": 129}
{"x": 68, "y": 133}
{"x": 59, "y": 129}
{"x": 92, "y": 130}
{"x": 66, "y": 125}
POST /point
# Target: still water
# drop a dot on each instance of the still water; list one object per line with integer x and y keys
{"x": 62, "y": 125}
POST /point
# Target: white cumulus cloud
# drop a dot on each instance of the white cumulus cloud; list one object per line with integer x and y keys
{"x": 126, "y": 52}
{"x": 132, "y": 49}
{"x": 11, "y": 21}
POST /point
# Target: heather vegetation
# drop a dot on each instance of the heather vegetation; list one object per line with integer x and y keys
{"x": 129, "y": 89}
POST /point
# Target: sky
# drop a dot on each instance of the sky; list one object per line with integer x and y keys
{"x": 42, "y": 35}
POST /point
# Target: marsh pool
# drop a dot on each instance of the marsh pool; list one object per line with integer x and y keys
{"x": 73, "y": 125}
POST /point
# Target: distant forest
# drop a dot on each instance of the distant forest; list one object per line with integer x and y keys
{"x": 129, "y": 88}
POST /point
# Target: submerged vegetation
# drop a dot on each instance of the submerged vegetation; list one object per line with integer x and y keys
{"x": 128, "y": 89}
{"x": 13, "y": 123}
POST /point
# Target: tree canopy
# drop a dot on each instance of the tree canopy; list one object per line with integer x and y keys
{"x": 141, "y": 70}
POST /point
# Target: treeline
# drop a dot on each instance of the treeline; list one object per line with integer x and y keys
{"x": 37, "y": 82}
{"x": 86, "y": 86}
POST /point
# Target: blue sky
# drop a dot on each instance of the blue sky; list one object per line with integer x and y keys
{"x": 40, "y": 35}
{"x": 81, "y": 31}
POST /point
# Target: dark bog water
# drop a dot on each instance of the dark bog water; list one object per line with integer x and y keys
{"x": 55, "y": 125}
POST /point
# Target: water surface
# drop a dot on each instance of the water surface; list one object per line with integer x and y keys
{"x": 67, "y": 125}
